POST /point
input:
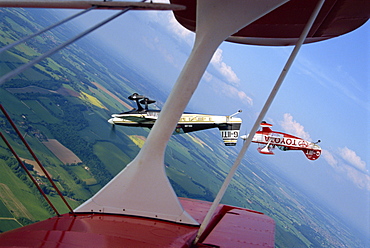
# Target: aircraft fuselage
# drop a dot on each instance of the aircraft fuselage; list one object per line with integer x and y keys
{"x": 189, "y": 122}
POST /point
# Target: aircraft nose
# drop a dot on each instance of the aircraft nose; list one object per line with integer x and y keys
{"x": 111, "y": 121}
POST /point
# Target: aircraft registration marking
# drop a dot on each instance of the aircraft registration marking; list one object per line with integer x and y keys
{"x": 234, "y": 134}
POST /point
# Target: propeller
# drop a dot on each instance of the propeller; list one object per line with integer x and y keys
{"x": 244, "y": 137}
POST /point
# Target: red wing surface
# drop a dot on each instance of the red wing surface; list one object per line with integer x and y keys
{"x": 284, "y": 25}
{"x": 231, "y": 227}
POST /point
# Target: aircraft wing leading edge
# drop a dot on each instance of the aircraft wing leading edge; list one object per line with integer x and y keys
{"x": 68, "y": 4}
{"x": 231, "y": 227}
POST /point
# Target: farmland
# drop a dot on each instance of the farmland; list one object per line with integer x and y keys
{"x": 45, "y": 103}
{"x": 63, "y": 154}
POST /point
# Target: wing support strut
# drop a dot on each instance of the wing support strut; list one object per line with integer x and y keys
{"x": 259, "y": 120}
{"x": 266, "y": 149}
{"x": 142, "y": 188}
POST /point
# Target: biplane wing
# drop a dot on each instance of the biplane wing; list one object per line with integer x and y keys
{"x": 269, "y": 139}
{"x": 283, "y": 26}
{"x": 142, "y": 116}
{"x": 142, "y": 192}
{"x": 138, "y": 119}
{"x": 86, "y": 4}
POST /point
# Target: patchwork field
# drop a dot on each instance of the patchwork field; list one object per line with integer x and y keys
{"x": 35, "y": 165}
{"x": 112, "y": 95}
{"x": 196, "y": 164}
{"x": 63, "y": 153}
{"x": 12, "y": 203}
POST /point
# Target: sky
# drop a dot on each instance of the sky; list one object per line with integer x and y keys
{"x": 325, "y": 96}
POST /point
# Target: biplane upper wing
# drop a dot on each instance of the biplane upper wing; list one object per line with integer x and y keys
{"x": 70, "y": 4}
{"x": 160, "y": 203}
{"x": 284, "y": 25}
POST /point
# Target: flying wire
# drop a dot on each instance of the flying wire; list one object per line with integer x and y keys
{"x": 35, "y": 158}
{"x": 56, "y": 49}
{"x": 28, "y": 173}
{"x": 262, "y": 114}
{"x": 7, "y": 47}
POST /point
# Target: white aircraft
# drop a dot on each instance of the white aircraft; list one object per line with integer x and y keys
{"x": 229, "y": 126}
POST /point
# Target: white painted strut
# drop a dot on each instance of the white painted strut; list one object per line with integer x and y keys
{"x": 142, "y": 188}
{"x": 259, "y": 119}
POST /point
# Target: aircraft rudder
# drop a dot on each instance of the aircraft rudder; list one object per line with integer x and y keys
{"x": 312, "y": 154}
{"x": 230, "y": 133}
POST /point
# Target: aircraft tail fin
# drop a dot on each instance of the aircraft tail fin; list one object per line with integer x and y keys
{"x": 230, "y": 133}
{"x": 312, "y": 154}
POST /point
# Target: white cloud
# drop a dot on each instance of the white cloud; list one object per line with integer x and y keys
{"x": 168, "y": 21}
{"x": 338, "y": 160}
{"x": 329, "y": 158}
{"x": 231, "y": 91}
{"x": 291, "y": 126}
{"x": 245, "y": 98}
{"x": 178, "y": 30}
{"x": 223, "y": 68}
{"x": 183, "y": 34}
{"x": 227, "y": 86}
{"x": 352, "y": 158}
{"x": 228, "y": 90}
{"x": 337, "y": 79}
{"x": 207, "y": 76}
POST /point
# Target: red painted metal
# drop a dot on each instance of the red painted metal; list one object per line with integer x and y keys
{"x": 242, "y": 228}
{"x": 231, "y": 227}
{"x": 284, "y": 25}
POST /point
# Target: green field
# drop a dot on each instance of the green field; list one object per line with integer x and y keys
{"x": 52, "y": 109}
{"x": 196, "y": 164}
{"x": 5, "y": 213}
{"x": 20, "y": 196}
{"x": 112, "y": 157}
{"x": 8, "y": 224}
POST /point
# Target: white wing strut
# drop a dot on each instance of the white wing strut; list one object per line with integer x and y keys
{"x": 142, "y": 188}
{"x": 262, "y": 114}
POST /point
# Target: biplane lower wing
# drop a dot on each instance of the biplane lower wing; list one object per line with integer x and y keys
{"x": 231, "y": 227}
{"x": 136, "y": 119}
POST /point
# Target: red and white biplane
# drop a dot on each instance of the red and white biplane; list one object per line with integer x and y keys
{"x": 269, "y": 139}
